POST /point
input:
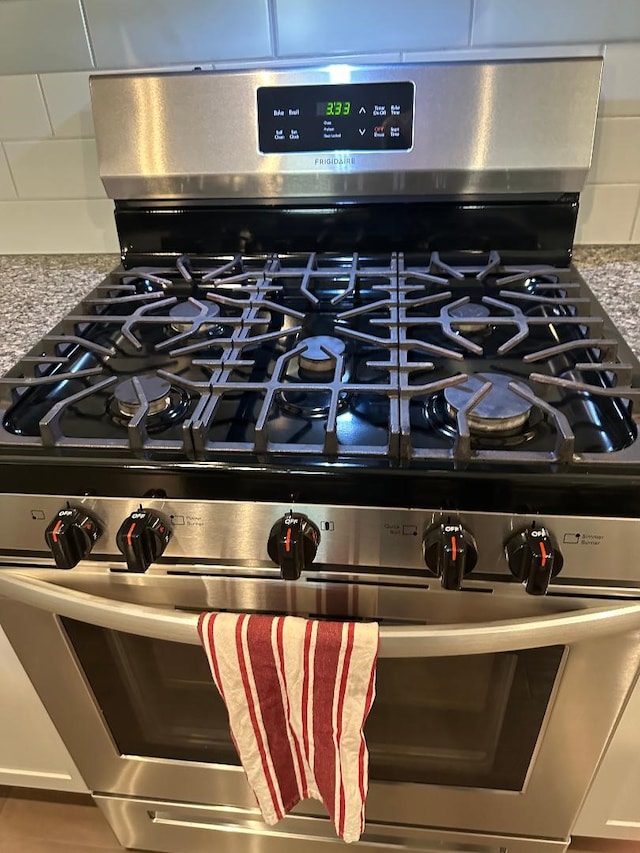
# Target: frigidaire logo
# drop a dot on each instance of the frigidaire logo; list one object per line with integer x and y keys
{"x": 335, "y": 161}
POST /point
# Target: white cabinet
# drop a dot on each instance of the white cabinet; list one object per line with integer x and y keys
{"x": 612, "y": 808}
{"x": 31, "y": 751}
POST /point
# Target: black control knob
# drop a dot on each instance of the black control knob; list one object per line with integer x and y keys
{"x": 534, "y": 558}
{"x": 71, "y": 536}
{"x": 293, "y": 543}
{"x": 450, "y": 553}
{"x": 142, "y": 539}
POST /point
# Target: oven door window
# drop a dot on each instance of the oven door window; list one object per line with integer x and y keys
{"x": 464, "y": 721}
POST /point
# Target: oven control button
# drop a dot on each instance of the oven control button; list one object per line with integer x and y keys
{"x": 293, "y": 543}
{"x": 534, "y": 558}
{"x": 71, "y": 536}
{"x": 450, "y": 553}
{"x": 142, "y": 539}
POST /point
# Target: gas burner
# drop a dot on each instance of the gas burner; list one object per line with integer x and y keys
{"x": 500, "y": 412}
{"x": 166, "y": 403}
{"x": 464, "y": 315}
{"x": 320, "y": 353}
{"x": 309, "y": 404}
{"x": 156, "y": 390}
{"x": 185, "y": 315}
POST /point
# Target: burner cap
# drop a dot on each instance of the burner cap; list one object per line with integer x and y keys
{"x": 500, "y": 411}
{"x": 320, "y": 353}
{"x": 156, "y": 390}
{"x": 467, "y": 313}
{"x": 185, "y": 312}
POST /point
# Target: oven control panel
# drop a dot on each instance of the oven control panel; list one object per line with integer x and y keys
{"x": 451, "y": 549}
{"x": 344, "y": 117}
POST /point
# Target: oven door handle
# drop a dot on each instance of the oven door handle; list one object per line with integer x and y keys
{"x": 402, "y": 641}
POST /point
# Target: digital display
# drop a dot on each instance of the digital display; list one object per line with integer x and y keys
{"x": 335, "y": 117}
{"x": 333, "y": 108}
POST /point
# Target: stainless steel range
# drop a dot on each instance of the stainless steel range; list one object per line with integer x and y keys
{"x": 346, "y": 369}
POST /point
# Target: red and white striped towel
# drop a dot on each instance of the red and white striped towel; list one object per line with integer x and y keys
{"x": 298, "y": 693}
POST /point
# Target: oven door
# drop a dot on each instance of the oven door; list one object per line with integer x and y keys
{"x": 491, "y": 713}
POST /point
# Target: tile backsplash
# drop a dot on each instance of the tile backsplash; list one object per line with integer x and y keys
{"x": 498, "y": 22}
{"x": 133, "y": 33}
{"x": 306, "y": 27}
{"x": 51, "y": 199}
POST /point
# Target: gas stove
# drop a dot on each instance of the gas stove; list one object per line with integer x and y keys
{"x": 383, "y": 360}
{"x": 391, "y": 360}
{"x": 345, "y": 370}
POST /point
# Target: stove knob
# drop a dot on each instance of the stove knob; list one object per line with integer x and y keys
{"x": 71, "y": 536}
{"x": 534, "y": 558}
{"x": 293, "y": 543}
{"x": 450, "y": 553}
{"x": 142, "y": 539}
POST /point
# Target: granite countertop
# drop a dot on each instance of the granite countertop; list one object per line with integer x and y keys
{"x": 38, "y": 290}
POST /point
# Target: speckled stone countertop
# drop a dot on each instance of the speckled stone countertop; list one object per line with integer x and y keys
{"x": 38, "y": 290}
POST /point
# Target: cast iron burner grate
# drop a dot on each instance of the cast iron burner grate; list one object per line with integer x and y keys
{"x": 328, "y": 357}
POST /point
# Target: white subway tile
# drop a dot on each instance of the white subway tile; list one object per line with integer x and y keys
{"x": 57, "y": 227}
{"x": 69, "y": 103}
{"x": 481, "y": 54}
{"x": 7, "y": 190}
{"x": 157, "y": 32}
{"x": 607, "y": 213}
{"x": 307, "y": 27}
{"x": 320, "y": 60}
{"x": 22, "y": 112}
{"x": 546, "y": 21}
{"x": 55, "y": 168}
{"x": 620, "y": 93}
{"x": 42, "y": 35}
{"x": 616, "y": 153}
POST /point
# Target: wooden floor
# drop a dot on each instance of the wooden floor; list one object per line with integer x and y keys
{"x": 42, "y": 822}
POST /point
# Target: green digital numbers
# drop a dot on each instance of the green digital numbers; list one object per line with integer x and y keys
{"x": 337, "y": 108}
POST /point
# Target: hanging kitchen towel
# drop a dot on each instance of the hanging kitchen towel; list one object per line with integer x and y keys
{"x": 298, "y": 692}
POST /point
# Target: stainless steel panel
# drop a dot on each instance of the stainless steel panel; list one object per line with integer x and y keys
{"x": 398, "y": 641}
{"x": 233, "y": 536}
{"x": 175, "y": 827}
{"x": 479, "y": 128}
{"x": 595, "y": 680}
